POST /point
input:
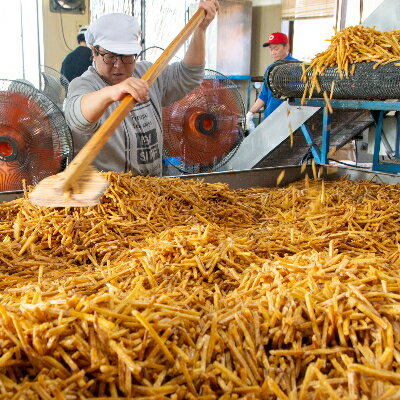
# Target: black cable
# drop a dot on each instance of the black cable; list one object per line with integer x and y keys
{"x": 308, "y": 155}
{"x": 143, "y": 52}
{"x": 348, "y": 165}
{"x": 153, "y": 47}
{"x": 62, "y": 30}
{"x": 356, "y": 150}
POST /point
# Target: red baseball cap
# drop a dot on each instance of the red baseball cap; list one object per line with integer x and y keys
{"x": 276, "y": 38}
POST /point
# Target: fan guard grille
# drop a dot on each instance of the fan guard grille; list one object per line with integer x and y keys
{"x": 203, "y": 130}
{"x": 35, "y": 141}
{"x": 54, "y": 85}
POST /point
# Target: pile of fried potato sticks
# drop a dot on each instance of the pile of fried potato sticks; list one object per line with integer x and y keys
{"x": 179, "y": 289}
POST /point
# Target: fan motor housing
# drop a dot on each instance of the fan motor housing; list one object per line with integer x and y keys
{"x": 8, "y": 149}
{"x": 206, "y": 123}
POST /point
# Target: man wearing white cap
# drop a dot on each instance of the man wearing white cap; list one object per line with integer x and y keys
{"x": 136, "y": 145}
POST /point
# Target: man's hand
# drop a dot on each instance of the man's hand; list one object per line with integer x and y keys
{"x": 137, "y": 88}
{"x": 249, "y": 122}
{"x": 196, "y": 52}
{"x": 95, "y": 103}
{"x": 211, "y": 8}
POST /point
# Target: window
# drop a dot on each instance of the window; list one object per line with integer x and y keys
{"x": 21, "y": 44}
{"x": 296, "y": 9}
{"x": 163, "y": 20}
{"x": 306, "y": 43}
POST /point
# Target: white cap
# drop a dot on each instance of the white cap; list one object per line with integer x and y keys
{"x": 83, "y": 29}
{"x": 117, "y": 33}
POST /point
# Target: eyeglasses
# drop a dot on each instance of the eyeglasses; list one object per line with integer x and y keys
{"x": 111, "y": 58}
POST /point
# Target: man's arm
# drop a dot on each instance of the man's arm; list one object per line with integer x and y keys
{"x": 259, "y": 103}
{"x": 196, "y": 54}
{"x": 257, "y": 106}
{"x": 94, "y": 104}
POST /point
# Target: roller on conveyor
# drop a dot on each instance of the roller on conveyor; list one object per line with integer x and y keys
{"x": 366, "y": 83}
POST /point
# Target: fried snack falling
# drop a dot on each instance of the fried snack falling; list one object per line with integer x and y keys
{"x": 348, "y": 47}
{"x": 280, "y": 177}
{"x": 291, "y": 134}
{"x": 174, "y": 289}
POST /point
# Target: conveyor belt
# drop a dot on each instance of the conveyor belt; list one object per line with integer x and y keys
{"x": 367, "y": 83}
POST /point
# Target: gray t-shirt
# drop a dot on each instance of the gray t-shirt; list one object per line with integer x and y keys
{"x": 136, "y": 145}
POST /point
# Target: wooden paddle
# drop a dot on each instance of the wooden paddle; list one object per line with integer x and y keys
{"x": 80, "y": 184}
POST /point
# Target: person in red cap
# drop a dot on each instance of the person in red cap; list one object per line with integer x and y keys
{"x": 278, "y": 44}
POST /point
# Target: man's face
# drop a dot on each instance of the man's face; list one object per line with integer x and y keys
{"x": 279, "y": 51}
{"x": 113, "y": 72}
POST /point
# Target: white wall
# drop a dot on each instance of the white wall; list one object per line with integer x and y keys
{"x": 59, "y": 33}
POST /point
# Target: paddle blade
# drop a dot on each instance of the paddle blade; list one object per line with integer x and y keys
{"x": 85, "y": 192}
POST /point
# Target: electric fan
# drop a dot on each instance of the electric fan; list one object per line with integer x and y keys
{"x": 35, "y": 141}
{"x": 53, "y": 84}
{"x": 203, "y": 130}
{"x": 68, "y": 6}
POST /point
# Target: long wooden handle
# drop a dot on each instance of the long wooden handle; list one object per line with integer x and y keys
{"x": 100, "y": 137}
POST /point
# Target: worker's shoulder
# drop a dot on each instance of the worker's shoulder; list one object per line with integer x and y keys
{"x": 78, "y": 52}
{"x": 83, "y": 50}
{"x": 141, "y": 67}
{"x": 89, "y": 81}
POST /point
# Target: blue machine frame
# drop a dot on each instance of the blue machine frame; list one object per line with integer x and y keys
{"x": 321, "y": 155}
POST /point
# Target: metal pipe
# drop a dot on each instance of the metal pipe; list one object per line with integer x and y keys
{"x": 38, "y": 39}
{"x": 310, "y": 141}
{"x": 143, "y": 25}
{"x": 326, "y": 134}
{"x": 397, "y": 152}
{"x": 337, "y": 13}
{"x": 22, "y": 39}
{"x": 343, "y": 12}
{"x": 187, "y": 17}
{"x": 377, "y": 144}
